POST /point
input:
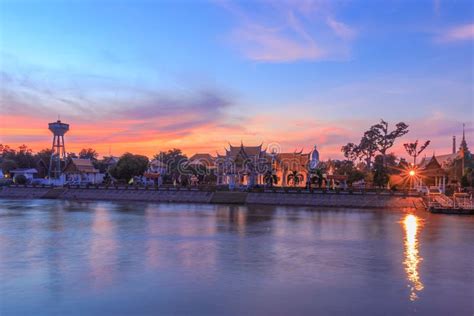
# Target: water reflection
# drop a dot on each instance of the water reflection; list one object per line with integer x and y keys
{"x": 412, "y": 261}
{"x": 103, "y": 247}
{"x": 105, "y": 258}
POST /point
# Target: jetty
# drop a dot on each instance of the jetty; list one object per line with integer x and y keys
{"x": 460, "y": 203}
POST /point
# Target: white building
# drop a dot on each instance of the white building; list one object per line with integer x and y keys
{"x": 29, "y": 173}
{"x": 81, "y": 171}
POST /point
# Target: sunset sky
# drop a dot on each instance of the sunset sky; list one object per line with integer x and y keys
{"x": 145, "y": 76}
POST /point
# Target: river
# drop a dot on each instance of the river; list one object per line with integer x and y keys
{"x": 105, "y": 258}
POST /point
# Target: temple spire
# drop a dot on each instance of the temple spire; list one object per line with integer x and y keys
{"x": 463, "y": 145}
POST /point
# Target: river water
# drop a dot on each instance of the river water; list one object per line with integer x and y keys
{"x": 106, "y": 258}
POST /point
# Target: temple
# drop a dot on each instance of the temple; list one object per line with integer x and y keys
{"x": 242, "y": 166}
{"x": 442, "y": 170}
{"x": 291, "y": 168}
{"x": 252, "y": 165}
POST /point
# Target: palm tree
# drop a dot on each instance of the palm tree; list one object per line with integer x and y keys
{"x": 317, "y": 174}
{"x": 270, "y": 178}
{"x": 295, "y": 177}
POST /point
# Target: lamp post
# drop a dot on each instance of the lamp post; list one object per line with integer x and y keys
{"x": 412, "y": 174}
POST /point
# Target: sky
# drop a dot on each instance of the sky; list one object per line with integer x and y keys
{"x": 145, "y": 76}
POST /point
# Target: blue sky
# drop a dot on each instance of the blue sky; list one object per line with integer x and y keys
{"x": 198, "y": 74}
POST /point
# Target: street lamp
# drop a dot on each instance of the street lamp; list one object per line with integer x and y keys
{"x": 412, "y": 175}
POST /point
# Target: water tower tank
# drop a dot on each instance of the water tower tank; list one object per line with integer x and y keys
{"x": 58, "y": 128}
{"x": 58, "y": 155}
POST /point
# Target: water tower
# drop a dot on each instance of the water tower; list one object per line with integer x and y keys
{"x": 59, "y": 150}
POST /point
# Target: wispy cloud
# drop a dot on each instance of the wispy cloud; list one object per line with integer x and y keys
{"x": 340, "y": 29}
{"x": 288, "y": 31}
{"x": 463, "y": 32}
{"x": 437, "y": 6}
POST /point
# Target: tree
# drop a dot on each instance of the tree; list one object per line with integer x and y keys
{"x": 412, "y": 149}
{"x": 7, "y": 165}
{"x": 368, "y": 146}
{"x": 270, "y": 178}
{"x": 365, "y": 150}
{"x": 175, "y": 160}
{"x": 129, "y": 166}
{"x": 355, "y": 176}
{"x": 464, "y": 181}
{"x": 88, "y": 153}
{"x": 384, "y": 138}
{"x": 21, "y": 179}
{"x": 347, "y": 168}
{"x": 100, "y": 165}
{"x": 6, "y": 151}
{"x": 45, "y": 155}
{"x": 295, "y": 177}
{"x": 42, "y": 159}
{"x": 380, "y": 174}
{"x": 469, "y": 173}
{"x": 351, "y": 151}
{"x": 24, "y": 157}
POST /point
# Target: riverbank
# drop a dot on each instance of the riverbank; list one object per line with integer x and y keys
{"x": 295, "y": 198}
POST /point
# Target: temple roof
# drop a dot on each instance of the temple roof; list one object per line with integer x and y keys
{"x": 80, "y": 165}
{"x": 246, "y": 151}
{"x": 442, "y": 160}
{"x": 293, "y": 161}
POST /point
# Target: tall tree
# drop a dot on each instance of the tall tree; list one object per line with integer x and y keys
{"x": 413, "y": 151}
{"x": 175, "y": 160}
{"x": 88, "y": 153}
{"x": 5, "y": 150}
{"x": 368, "y": 147}
{"x": 351, "y": 151}
{"x": 385, "y": 139}
{"x": 24, "y": 157}
{"x": 365, "y": 150}
{"x": 129, "y": 166}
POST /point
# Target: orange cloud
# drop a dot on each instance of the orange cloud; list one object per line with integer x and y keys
{"x": 119, "y": 136}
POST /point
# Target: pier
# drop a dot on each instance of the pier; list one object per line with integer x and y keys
{"x": 459, "y": 203}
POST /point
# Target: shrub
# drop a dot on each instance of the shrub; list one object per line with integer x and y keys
{"x": 21, "y": 179}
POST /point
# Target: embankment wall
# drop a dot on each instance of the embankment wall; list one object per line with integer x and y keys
{"x": 343, "y": 199}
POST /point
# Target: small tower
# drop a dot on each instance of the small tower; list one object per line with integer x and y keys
{"x": 59, "y": 150}
{"x": 314, "y": 158}
{"x": 454, "y": 144}
{"x": 463, "y": 146}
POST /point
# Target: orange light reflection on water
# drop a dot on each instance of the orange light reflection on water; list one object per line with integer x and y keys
{"x": 412, "y": 261}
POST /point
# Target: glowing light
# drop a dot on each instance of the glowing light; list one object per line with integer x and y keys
{"x": 412, "y": 257}
{"x": 412, "y": 173}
